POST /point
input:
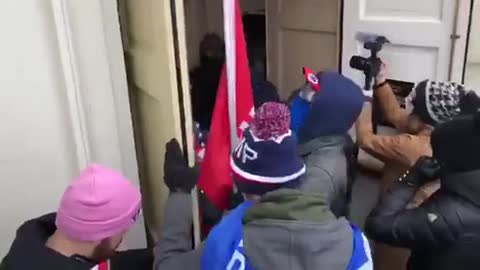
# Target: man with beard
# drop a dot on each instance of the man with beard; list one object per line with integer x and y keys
{"x": 95, "y": 213}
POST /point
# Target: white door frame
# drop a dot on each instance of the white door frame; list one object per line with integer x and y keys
{"x": 90, "y": 50}
{"x": 459, "y": 48}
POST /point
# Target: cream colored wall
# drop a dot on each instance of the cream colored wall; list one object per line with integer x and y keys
{"x": 154, "y": 93}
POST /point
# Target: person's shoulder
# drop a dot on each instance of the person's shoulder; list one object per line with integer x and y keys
{"x": 5, "y": 263}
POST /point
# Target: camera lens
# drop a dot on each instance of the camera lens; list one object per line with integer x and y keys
{"x": 358, "y": 62}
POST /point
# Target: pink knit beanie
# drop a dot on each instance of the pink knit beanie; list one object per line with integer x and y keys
{"x": 99, "y": 204}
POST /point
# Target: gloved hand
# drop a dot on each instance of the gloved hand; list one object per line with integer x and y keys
{"x": 178, "y": 176}
{"x": 426, "y": 169}
{"x": 429, "y": 168}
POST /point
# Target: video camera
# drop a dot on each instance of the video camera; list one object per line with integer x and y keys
{"x": 371, "y": 65}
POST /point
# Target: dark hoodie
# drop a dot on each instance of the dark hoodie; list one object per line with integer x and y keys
{"x": 443, "y": 232}
{"x": 29, "y": 251}
{"x": 324, "y": 141}
{"x": 334, "y": 109}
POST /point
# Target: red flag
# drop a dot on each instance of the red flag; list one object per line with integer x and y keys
{"x": 311, "y": 79}
{"x": 215, "y": 173}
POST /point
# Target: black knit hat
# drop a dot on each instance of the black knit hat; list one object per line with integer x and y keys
{"x": 264, "y": 91}
{"x": 456, "y": 144}
{"x": 437, "y": 102}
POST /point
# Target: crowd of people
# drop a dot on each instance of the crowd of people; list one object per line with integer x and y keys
{"x": 295, "y": 181}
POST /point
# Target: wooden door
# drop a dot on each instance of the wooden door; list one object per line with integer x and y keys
{"x": 154, "y": 45}
{"x": 299, "y": 33}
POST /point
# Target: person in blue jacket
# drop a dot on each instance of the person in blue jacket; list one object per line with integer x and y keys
{"x": 276, "y": 227}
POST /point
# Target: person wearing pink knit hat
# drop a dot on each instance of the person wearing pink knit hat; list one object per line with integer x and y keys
{"x": 96, "y": 211}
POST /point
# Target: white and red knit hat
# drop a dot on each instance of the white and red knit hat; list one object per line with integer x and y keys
{"x": 266, "y": 158}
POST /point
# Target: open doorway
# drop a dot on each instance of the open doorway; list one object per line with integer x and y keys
{"x": 282, "y": 37}
{"x": 206, "y": 51}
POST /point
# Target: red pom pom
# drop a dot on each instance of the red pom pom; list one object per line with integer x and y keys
{"x": 271, "y": 120}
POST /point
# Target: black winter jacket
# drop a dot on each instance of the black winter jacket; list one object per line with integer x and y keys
{"x": 443, "y": 232}
{"x": 28, "y": 252}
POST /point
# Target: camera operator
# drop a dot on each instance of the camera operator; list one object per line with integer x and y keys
{"x": 442, "y": 232}
{"x": 432, "y": 103}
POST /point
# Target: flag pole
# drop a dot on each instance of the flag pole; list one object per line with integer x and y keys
{"x": 230, "y": 60}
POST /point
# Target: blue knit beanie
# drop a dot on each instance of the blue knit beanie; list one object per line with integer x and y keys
{"x": 334, "y": 109}
{"x": 266, "y": 158}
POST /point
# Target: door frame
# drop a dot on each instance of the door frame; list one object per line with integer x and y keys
{"x": 460, "y": 48}
{"x": 91, "y": 54}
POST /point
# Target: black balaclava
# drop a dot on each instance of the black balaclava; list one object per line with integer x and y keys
{"x": 456, "y": 144}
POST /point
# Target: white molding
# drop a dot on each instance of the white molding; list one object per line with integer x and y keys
{"x": 72, "y": 82}
{"x": 185, "y": 84}
{"x": 91, "y": 54}
{"x": 119, "y": 101}
{"x": 457, "y": 65}
{"x": 119, "y": 87}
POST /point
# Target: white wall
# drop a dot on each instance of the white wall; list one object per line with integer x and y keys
{"x": 63, "y": 103}
{"x": 37, "y": 157}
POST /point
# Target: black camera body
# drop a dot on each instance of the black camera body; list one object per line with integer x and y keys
{"x": 371, "y": 65}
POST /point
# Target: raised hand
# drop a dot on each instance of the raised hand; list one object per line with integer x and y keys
{"x": 178, "y": 176}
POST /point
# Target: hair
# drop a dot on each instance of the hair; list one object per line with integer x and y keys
{"x": 263, "y": 92}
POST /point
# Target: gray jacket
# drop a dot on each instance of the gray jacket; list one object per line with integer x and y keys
{"x": 327, "y": 171}
{"x": 286, "y": 230}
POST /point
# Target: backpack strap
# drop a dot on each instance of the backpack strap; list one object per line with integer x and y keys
{"x": 224, "y": 239}
{"x": 361, "y": 256}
